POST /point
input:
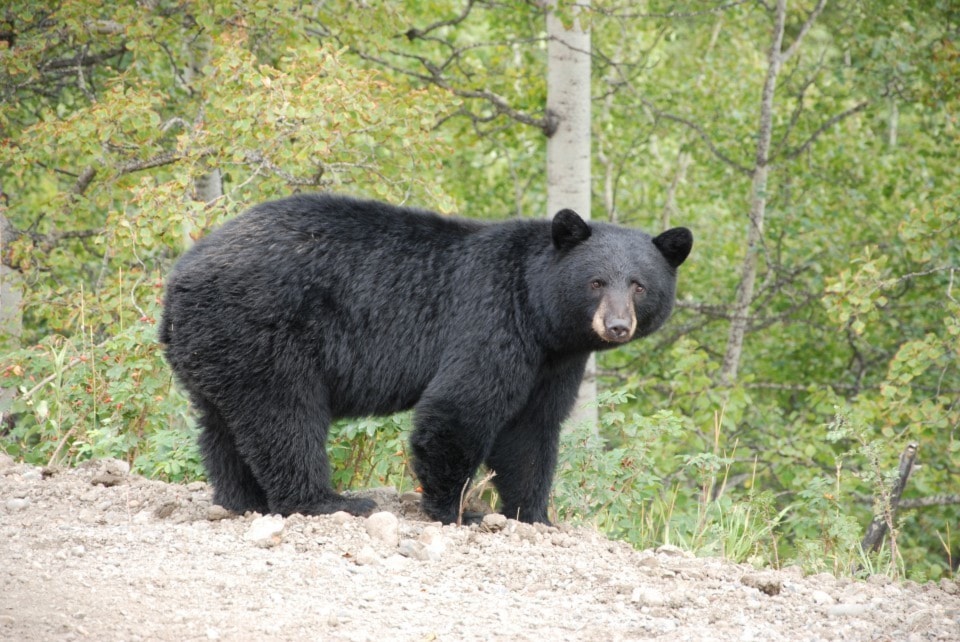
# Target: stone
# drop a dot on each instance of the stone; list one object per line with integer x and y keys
{"x": 342, "y": 517}
{"x": 493, "y": 522}
{"x": 366, "y": 556}
{"x": 647, "y": 596}
{"x": 384, "y": 527}
{"x": 822, "y": 597}
{"x": 767, "y": 583}
{"x": 16, "y": 504}
{"x": 215, "y": 513}
{"x": 670, "y": 550}
{"x": 265, "y": 531}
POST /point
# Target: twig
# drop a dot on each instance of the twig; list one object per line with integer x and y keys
{"x": 466, "y": 493}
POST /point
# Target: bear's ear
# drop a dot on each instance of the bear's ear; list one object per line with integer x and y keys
{"x": 569, "y": 230}
{"x": 675, "y": 245}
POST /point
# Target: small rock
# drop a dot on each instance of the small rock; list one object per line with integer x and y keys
{"x": 384, "y": 527}
{"x": 647, "y": 596}
{"x": 32, "y": 474}
{"x": 165, "y": 510}
{"x": 107, "y": 479}
{"x": 435, "y": 544}
{"x": 527, "y": 532}
{"x": 7, "y": 620}
{"x": 493, "y": 522}
{"x": 821, "y": 597}
{"x": 950, "y": 587}
{"x": 111, "y": 472}
{"x": 649, "y": 562}
{"x": 410, "y": 548}
{"x": 367, "y": 557}
{"x": 850, "y": 610}
{"x": 342, "y": 517}
{"x": 417, "y": 550}
{"x": 670, "y": 550}
{"x": 562, "y": 540}
{"x": 265, "y": 531}
{"x": 767, "y": 583}
{"x": 215, "y": 513}
{"x": 17, "y": 504}
{"x": 6, "y": 461}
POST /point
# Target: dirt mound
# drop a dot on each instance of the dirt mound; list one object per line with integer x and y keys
{"x": 96, "y": 553}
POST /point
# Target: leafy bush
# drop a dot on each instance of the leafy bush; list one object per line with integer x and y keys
{"x": 79, "y": 400}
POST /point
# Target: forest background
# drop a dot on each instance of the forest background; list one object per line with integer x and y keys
{"x": 811, "y": 146}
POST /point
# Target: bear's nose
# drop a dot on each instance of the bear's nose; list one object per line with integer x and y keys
{"x": 618, "y": 329}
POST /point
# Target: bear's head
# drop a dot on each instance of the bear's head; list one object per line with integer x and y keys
{"x": 614, "y": 284}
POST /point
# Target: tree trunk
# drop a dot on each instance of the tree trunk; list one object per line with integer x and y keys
{"x": 11, "y": 315}
{"x": 568, "y": 145}
{"x": 758, "y": 190}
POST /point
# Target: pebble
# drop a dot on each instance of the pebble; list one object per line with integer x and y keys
{"x": 768, "y": 583}
{"x": 265, "y": 531}
{"x": 853, "y": 610}
{"x": 418, "y": 550}
{"x": 646, "y": 596}
{"x": 384, "y": 527}
{"x": 366, "y": 557}
{"x": 17, "y": 504}
{"x": 493, "y": 522}
{"x": 821, "y": 597}
{"x": 216, "y": 512}
{"x": 670, "y": 550}
{"x": 435, "y": 544}
{"x": 342, "y": 517}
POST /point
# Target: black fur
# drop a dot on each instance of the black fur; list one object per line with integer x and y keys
{"x": 316, "y": 307}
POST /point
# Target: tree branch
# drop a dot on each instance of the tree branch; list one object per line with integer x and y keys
{"x": 824, "y": 127}
{"x": 933, "y": 500}
{"x": 804, "y": 28}
{"x": 414, "y": 33}
{"x": 699, "y": 131}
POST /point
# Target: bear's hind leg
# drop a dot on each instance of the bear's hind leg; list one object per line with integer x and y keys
{"x": 234, "y": 486}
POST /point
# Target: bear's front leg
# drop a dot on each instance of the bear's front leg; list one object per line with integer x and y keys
{"x": 447, "y": 449}
{"x": 524, "y": 454}
{"x": 456, "y": 422}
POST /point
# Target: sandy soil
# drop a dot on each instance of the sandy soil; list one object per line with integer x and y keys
{"x": 95, "y": 553}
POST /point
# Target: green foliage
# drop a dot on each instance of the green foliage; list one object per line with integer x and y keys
{"x": 371, "y": 452}
{"x": 79, "y": 400}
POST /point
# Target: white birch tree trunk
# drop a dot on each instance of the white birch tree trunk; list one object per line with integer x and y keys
{"x": 758, "y": 189}
{"x": 11, "y": 314}
{"x": 568, "y": 145}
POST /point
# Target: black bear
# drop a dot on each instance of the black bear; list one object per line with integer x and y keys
{"x": 315, "y": 307}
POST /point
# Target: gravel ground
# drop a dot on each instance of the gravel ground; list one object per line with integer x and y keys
{"x": 95, "y": 553}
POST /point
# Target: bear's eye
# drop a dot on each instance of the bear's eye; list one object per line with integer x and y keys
{"x": 638, "y": 288}
{"x": 596, "y": 284}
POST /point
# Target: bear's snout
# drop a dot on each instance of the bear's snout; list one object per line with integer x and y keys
{"x": 615, "y": 320}
{"x": 618, "y": 330}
